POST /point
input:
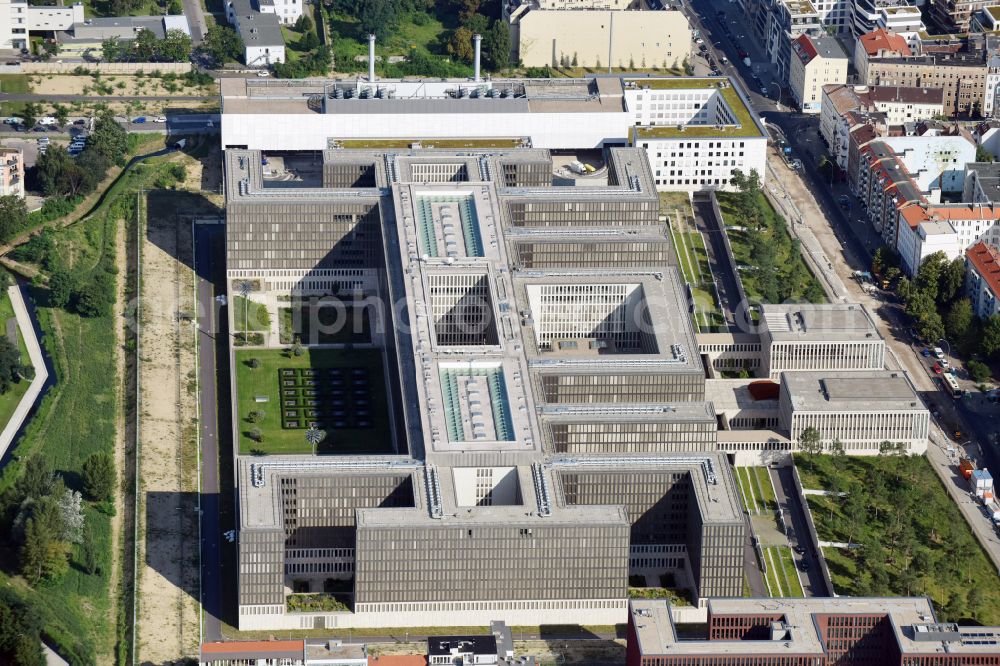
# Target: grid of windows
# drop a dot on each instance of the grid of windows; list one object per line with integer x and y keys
{"x": 462, "y": 309}
{"x": 631, "y": 437}
{"x": 595, "y": 311}
{"x": 584, "y": 213}
{"x": 615, "y": 388}
{"x": 593, "y": 255}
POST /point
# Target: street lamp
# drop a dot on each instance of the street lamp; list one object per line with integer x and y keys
{"x": 245, "y": 288}
{"x": 947, "y": 346}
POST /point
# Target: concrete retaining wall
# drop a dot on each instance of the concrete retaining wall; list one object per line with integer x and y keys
{"x": 102, "y": 67}
{"x": 37, "y": 362}
{"x": 730, "y": 257}
{"x": 824, "y": 570}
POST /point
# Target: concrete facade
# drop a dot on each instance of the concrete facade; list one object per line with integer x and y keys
{"x": 520, "y": 397}
{"x": 819, "y": 337}
{"x": 11, "y": 173}
{"x": 18, "y": 20}
{"x": 982, "y": 279}
{"x": 595, "y": 38}
{"x": 817, "y": 61}
{"x": 962, "y": 77}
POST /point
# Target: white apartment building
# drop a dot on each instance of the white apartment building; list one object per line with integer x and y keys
{"x": 695, "y": 131}
{"x": 18, "y": 20}
{"x": 916, "y": 243}
{"x": 834, "y": 336}
{"x": 859, "y": 409}
{"x": 817, "y": 61}
{"x": 904, "y": 21}
{"x": 11, "y": 172}
{"x": 982, "y": 279}
{"x": 263, "y": 43}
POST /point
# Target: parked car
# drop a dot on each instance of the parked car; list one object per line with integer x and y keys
{"x": 80, "y": 121}
{"x": 47, "y": 120}
{"x": 13, "y": 120}
{"x": 937, "y": 369}
{"x": 800, "y": 550}
{"x": 138, "y": 121}
{"x": 160, "y": 119}
{"x": 263, "y": 73}
{"x": 938, "y": 352}
{"x": 804, "y": 565}
{"x": 925, "y": 353}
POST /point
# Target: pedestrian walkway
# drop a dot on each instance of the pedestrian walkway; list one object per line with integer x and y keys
{"x": 13, "y": 425}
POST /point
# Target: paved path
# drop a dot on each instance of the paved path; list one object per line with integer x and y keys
{"x": 207, "y": 269}
{"x": 725, "y": 282}
{"x": 798, "y": 534}
{"x": 34, "y": 391}
{"x": 196, "y": 19}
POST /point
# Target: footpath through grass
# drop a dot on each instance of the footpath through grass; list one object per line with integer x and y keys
{"x": 911, "y": 537}
{"x": 768, "y": 249}
{"x": 782, "y": 577}
{"x": 756, "y": 488}
{"x": 78, "y": 417}
{"x": 10, "y": 399}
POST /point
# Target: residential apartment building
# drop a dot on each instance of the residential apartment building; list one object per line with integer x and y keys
{"x": 817, "y": 61}
{"x": 962, "y": 77}
{"x": 259, "y": 24}
{"x": 695, "y": 131}
{"x": 283, "y": 653}
{"x": 982, "y": 279}
{"x": 903, "y": 20}
{"x": 834, "y": 336}
{"x": 878, "y": 43}
{"x": 18, "y": 19}
{"x": 955, "y": 16}
{"x": 859, "y": 409}
{"x": 599, "y": 38}
{"x": 839, "y": 631}
{"x": 11, "y": 172}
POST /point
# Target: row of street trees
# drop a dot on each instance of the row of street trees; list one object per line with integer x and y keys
{"x": 174, "y": 47}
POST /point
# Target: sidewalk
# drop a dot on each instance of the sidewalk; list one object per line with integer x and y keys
{"x": 37, "y": 362}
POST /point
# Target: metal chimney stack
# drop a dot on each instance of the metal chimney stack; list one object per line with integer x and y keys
{"x": 477, "y": 39}
{"x": 371, "y": 58}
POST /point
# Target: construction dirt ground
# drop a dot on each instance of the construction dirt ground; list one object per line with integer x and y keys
{"x": 578, "y": 652}
{"x": 168, "y": 561}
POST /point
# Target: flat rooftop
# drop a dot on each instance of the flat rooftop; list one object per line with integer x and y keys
{"x": 747, "y": 123}
{"x": 827, "y": 322}
{"x": 914, "y": 625}
{"x": 879, "y": 391}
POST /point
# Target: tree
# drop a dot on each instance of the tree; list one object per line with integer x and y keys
{"x": 959, "y": 320}
{"x": 378, "y": 17}
{"x": 99, "y": 477}
{"x": 979, "y": 371}
{"x": 71, "y": 514}
{"x": 928, "y": 278}
{"x": 90, "y": 555}
{"x": 308, "y": 42}
{"x": 94, "y": 300}
{"x": 951, "y": 281}
{"x": 255, "y": 416}
{"x": 303, "y": 24}
{"x": 175, "y": 8}
{"x": 811, "y": 442}
{"x": 60, "y": 113}
{"x": 983, "y": 155}
{"x": 576, "y": 61}
{"x": 109, "y": 139}
{"x": 20, "y": 632}
{"x": 297, "y": 348}
{"x": 94, "y": 167}
{"x": 13, "y": 217}
{"x": 497, "y": 46}
{"x": 111, "y": 50}
{"x": 43, "y": 555}
{"x": 990, "y": 340}
{"x": 144, "y": 46}
{"x": 254, "y": 362}
{"x": 11, "y": 367}
{"x": 256, "y": 435}
{"x": 223, "y": 44}
{"x": 174, "y": 47}
{"x": 30, "y": 113}
{"x": 37, "y": 478}
{"x": 460, "y": 44}
{"x": 61, "y": 287}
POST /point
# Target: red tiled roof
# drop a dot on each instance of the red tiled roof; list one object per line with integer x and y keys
{"x": 805, "y": 50}
{"x": 260, "y": 647}
{"x": 880, "y": 40}
{"x": 986, "y": 260}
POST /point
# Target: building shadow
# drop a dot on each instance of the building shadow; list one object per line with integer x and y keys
{"x": 180, "y": 208}
{"x": 171, "y": 538}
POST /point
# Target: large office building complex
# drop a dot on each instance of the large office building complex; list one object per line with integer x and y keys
{"x": 696, "y": 131}
{"x": 543, "y": 431}
{"x": 843, "y": 631}
{"x": 837, "y": 336}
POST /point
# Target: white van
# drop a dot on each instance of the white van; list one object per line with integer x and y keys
{"x": 938, "y": 352}
{"x": 46, "y": 120}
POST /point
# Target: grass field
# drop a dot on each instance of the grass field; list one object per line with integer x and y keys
{"x": 693, "y": 258}
{"x": 250, "y": 314}
{"x": 756, "y": 488}
{"x": 263, "y": 381}
{"x": 912, "y": 538}
{"x": 10, "y": 399}
{"x": 76, "y": 418}
{"x": 11, "y": 84}
{"x": 794, "y": 279}
{"x": 782, "y": 578}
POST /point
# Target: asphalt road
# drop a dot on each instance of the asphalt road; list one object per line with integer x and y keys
{"x": 209, "y": 269}
{"x": 725, "y": 281}
{"x": 798, "y": 536}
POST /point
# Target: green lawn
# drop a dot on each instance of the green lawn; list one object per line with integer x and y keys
{"x": 345, "y": 326}
{"x": 912, "y": 537}
{"x": 693, "y": 258}
{"x": 14, "y": 83}
{"x": 248, "y": 314}
{"x": 756, "y": 488}
{"x": 749, "y": 499}
{"x": 793, "y": 279}
{"x": 77, "y": 417}
{"x": 765, "y": 488}
{"x": 782, "y": 578}
{"x": 264, "y": 381}
{"x": 771, "y": 576}
{"x": 10, "y": 399}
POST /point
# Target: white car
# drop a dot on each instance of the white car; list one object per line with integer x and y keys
{"x": 699, "y": 41}
{"x": 47, "y": 120}
{"x": 263, "y": 73}
{"x": 13, "y": 120}
{"x": 160, "y": 119}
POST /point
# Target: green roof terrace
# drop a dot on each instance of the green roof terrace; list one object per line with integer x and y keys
{"x": 746, "y": 125}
